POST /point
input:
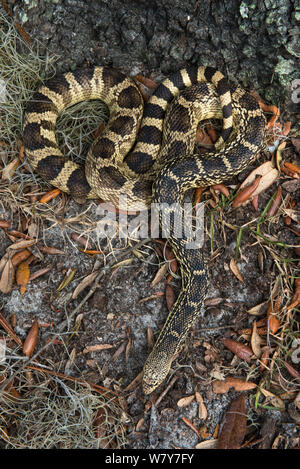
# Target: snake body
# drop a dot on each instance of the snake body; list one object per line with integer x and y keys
{"x": 147, "y": 153}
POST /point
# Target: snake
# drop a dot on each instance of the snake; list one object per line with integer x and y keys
{"x": 147, "y": 151}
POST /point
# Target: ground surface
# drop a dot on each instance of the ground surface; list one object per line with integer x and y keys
{"x": 153, "y": 41}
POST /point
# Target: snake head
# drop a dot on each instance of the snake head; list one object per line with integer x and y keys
{"x": 156, "y": 369}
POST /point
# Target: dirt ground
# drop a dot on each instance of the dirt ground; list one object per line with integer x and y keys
{"x": 125, "y": 304}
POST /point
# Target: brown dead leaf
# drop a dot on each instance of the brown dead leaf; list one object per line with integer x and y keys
{"x": 97, "y": 348}
{"x": 50, "y": 250}
{"x": 292, "y": 371}
{"x": 245, "y": 194}
{"x": 207, "y": 444}
{"x": 274, "y": 207}
{"x": 273, "y": 399}
{"x": 272, "y": 313}
{"x": 22, "y": 276}
{"x": 257, "y": 310}
{"x": 185, "y": 401}
{"x": 269, "y": 175}
{"x": 236, "y": 271}
{"x": 223, "y": 386}
{"x": 31, "y": 339}
{"x": 20, "y": 256}
{"x": 296, "y": 297}
{"x": 7, "y": 277}
{"x": 49, "y": 196}
{"x": 170, "y": 296}
{"x": 86, "y": 282}
{"x": 22, "y": 244}
{"x": 233, "y": 430}
{"x": 202, "y": 411}
{"x": 256, "y": 341}
{"x": 160, "y": 274}
{"x": 242, "y": 351}
{"x": 4, "y": 224}
{"x": 9, "y": 170}
{"x": 40, "y": 272}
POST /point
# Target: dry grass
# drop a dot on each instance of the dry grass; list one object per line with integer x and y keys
{"x": 44, "y": 410}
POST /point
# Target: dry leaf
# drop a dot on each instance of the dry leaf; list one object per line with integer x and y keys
{"x": 273, "y": 310}
{"x": 257, "y": 310}
{"x": 221, "y": 387}
{"x": 274, "y": 207}
{"x": 97, "y": 348}
{"x": 22, "y": 244}
{"x": 7, "y": 277}
{"x": 256, "y": 341}
{"x": 207, "y": 444}
{"x": 245, "y": 194}
{"x": 160, "y": 274}
{"x": 49, "y": 196}
{"x": 50, "y": 250}
{"x": 242, "y": 351}
{"x": 31, "y": 339}
{"x": 5, "y": 224}
{"x": 233, "y": 430}
{"x": 293, "y": 214}
{"x": 202, "y": 411}
{"x": 275, "y": 400}
{"x": 87, "y": 281}
{"x": 22, "y": 276}
{"x": 269, "y": 175}
{"x": 170, "y": 296}
{"x": 123, "y": 263}
{"x": 185, "y": 401}
{"x": 67, "y": 280}
{"x": 40, "y": 272}
{"x": 234, "y": 268}
{"x": 8, "y": 171}
{"x": 20, "y": 256}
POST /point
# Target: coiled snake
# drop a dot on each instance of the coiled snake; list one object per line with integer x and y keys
{"x": 147, "y": 153}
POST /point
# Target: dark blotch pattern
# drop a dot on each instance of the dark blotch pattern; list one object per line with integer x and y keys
{"x": 222, "y": 86}
{"x": 164, "y": 93}
{"x": 209, "y": 73}
{"x": 32, "y": 138}
{"x": 112, "y": 177}
{"x": 78, "y": 184}
{"x": 83, "y": 75}
{"x": 122, "y": 125}
{"x": 50, "y": 167}
{"x": 154, "y": 110}
{"x": 58, "y": 85}
{"x": 139, "y": 162}
{"x": 129, "y": 98}
{"x": 112, "y": 77}
{"x": 150, "y": 134}
{"x": 179, "y": 124}
{"x": 227, "y": 110}
{"x": 177, "y": 80}
{"x": 192, "y": 72}
{"x": 103, "y": 148}
{"x": 142, "y": 187}
{"x": 249, "y": 102}
{"x": 40, "y": 103}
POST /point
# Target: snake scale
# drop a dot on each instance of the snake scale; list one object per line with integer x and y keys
{"x": 147, "y": 153}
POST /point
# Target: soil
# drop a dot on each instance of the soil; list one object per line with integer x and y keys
{"x": 153, "y": 39}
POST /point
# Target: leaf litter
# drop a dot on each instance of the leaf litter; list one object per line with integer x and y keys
{"x": 48, "y": 210}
